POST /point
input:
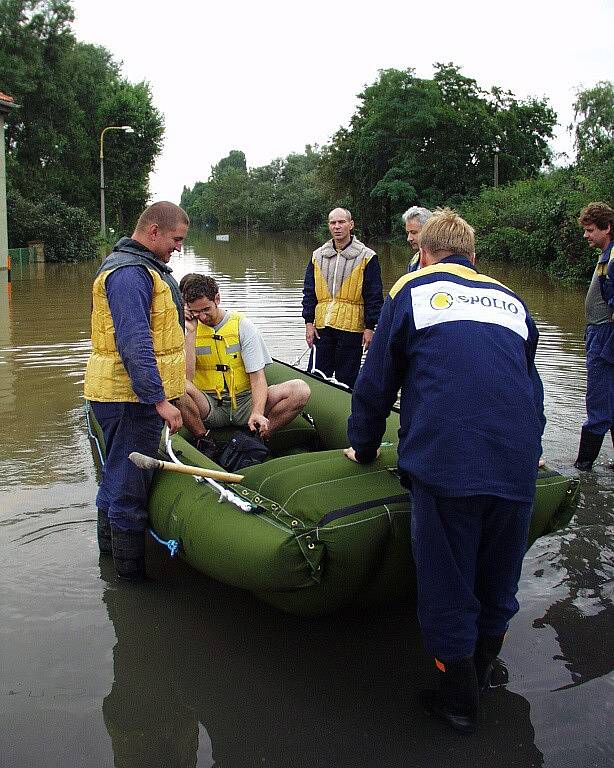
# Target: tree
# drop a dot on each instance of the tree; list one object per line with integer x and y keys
{"x": 430, "y": 142}
{"x": 68, "y": 92}
{"x": 594, "y": 118}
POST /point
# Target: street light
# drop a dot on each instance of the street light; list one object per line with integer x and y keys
{"x": 126, "y": 129}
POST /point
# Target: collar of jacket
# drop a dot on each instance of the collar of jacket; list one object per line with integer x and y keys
{"x": 128, "y": 245}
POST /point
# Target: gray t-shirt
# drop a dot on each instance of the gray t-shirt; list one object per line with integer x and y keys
{"x": 253, "y": 349}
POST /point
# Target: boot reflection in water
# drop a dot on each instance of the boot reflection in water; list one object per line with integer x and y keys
{"x": 149, "y": 722}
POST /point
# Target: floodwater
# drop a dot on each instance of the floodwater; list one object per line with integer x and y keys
{"x": 183, "y": 671}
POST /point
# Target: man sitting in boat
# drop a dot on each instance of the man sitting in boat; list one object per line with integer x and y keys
{"x": 225, "y": 360}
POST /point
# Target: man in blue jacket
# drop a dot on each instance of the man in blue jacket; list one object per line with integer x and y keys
{"x": 597, "y": 220}
{"x": 461, "y": 347}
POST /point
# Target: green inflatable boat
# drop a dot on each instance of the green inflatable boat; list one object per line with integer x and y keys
{"x": 307, "y": 530}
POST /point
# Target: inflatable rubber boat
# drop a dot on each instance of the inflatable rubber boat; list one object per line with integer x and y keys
{"x": 308, "y": 531}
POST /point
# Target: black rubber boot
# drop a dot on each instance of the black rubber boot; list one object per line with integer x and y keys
{"x": 590, "y": 445}
{"x": 103, "y": 532}
{"x": 457, "y": 699}
{"x": 486, "y": 651}
{"x": 129, "y": 554}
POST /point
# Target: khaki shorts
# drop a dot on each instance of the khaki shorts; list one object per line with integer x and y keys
{"x": 222, "y": 413}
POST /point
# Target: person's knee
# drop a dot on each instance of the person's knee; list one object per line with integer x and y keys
{"x": 301, "y": 392}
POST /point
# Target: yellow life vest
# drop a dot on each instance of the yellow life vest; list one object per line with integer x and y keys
{"x": 106, "y": 379}
{"x": 219, "y": 365}
{"x": 338, "y": 277}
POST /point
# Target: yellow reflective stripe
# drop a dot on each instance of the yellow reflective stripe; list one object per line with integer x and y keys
{"x": 434, "y": 269}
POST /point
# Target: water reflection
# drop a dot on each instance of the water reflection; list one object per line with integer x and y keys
{"x": 146, "y": 714}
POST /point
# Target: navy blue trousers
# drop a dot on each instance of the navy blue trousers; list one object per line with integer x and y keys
{"x": 468, "y": 553}
{"x": 124, "y": 488}
{"x": 337, "y": 353}
{"x": 599, "y": 379}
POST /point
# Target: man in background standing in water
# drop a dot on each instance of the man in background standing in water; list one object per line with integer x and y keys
{"x": 461, "y": 348}
{"x": 342, "y": 299}
{"x": 135, "y": 372}
{"x": 414, "y": 219}
{"x": 597, "y": 219}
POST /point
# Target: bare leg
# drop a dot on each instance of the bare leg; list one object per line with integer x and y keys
{"x": 285, "y": 401}
{"x": 194, "y": 409}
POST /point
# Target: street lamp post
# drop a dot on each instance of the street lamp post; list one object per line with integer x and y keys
{"x": 126, "y": 129}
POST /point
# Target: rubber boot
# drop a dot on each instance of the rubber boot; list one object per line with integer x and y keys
{"x": 486, "y": 651}
{"x": 457, "y": 699}
{"x": 590, "y": 445}
{"x": 129, "y": 554}
{"x": 103, "y": 533}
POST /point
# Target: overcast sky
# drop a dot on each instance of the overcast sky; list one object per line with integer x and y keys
{"x": 269, "y": 77}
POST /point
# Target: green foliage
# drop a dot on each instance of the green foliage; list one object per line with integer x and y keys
{"x": 68, "y": 233}
{"x": 594, "y": 119}
{"x": 68, "y": 92}
{"x": 282, "y": 196}
{"x": 535, "y": 222}
{"x": 429, "y": 142}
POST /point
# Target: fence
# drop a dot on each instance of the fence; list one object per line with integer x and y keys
{"x": 34, "y": 252}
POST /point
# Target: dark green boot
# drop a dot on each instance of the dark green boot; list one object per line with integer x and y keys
{"x": 129, "y": 554}
{"x": 457, "y": 699}
{"x": 486, "y": 651}
{"x": 103, "y": 533}
{"x": 590, "y": 445}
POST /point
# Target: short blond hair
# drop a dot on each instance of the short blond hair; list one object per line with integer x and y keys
{"x": 446, "y": 232}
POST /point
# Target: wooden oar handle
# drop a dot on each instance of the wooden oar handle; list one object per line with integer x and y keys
{"x": 147, "y": 462}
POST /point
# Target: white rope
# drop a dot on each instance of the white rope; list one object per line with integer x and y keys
{"x": 331, "y": 379}
{"x": 225, "y": 494}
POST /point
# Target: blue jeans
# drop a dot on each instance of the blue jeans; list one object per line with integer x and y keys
{"x": 124, "y": 488}
{"x": 468, "y": 553}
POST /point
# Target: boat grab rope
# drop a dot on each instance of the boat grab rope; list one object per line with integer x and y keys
{"x": 225, "y": 494}
{"x": 313, "y": 369}
{"x": 172, "y": 544}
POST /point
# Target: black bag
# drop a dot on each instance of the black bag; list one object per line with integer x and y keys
{"x": 242, "y": 450}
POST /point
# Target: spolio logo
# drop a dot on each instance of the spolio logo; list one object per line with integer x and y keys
{"x": 441, "y": 300}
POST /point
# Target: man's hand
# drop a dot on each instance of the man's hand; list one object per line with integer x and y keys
{"x": 258, "y": 423}
{"x": 191, "y": 322}
{"x": 367, "y": 336}
{"x": 350, "y": 453}
{"x": 311, "y": 333}
{"x": 170, "y": 414}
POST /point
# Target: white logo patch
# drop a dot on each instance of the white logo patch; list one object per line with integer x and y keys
{"x": 447, "y": 302}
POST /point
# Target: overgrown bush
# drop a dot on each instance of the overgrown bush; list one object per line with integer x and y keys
{"x": 68, "y": 233}
{"x": 534, "y": 222}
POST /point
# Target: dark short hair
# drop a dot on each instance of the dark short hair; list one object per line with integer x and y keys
{"x": 598, "y": 214}
{"x": 194, "y": 286}
{"x": 166, "y": 215}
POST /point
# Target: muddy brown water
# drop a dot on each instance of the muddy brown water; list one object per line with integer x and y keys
{"x": 183, "y": 671}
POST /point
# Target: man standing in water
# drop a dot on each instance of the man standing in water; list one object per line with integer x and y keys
{"x": 414, "y": 219}
{"x": 597, "y": 219}
{"x": 461, "y": 347}
{"x": 135, "y": 372}
{"x": 342, "y": 299}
